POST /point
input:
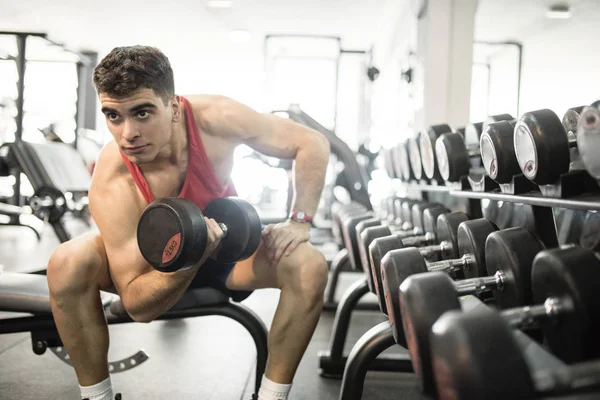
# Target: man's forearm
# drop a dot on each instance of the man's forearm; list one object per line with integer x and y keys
{"x": 310, "y": 167}
{"x": 155, "y": 292}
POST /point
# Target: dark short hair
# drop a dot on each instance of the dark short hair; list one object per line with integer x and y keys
{"x": 127, "y": 69}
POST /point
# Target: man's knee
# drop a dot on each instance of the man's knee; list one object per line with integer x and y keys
{"x": 73, "y": 268}
{"x": 309, "y": 275}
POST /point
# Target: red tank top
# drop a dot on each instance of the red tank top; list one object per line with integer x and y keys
{"x": 201, "y": 185}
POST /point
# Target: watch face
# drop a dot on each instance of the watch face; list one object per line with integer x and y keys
{"x": 300, "y": 215}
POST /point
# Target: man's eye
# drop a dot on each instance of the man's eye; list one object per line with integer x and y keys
{"x": 143, "y": 114}
{"x": 112, "y": 116}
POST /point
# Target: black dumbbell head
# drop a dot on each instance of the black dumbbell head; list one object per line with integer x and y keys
{"x": 471, "y": 237}
{"x": 404, "y": 162}
{"x": 512, "y": 251}
{"x": 498, "y": 151}
{"x": 570, "y": 274}
{"x": 452, "y": 157}
{"x": 430, "y": 217}
{"x": 366, "y": 238}
{"x": 491, "y": 119}
{"x": 423, "y": 299}
{"x": 418, "y": 212}
{"x": 377, "y": 250}
{"x": 172, "y": 234}
{"x": 426, "y": 146}
{"x": 396, "y": 266}
{"x": 447, "y": 229}
{"x": 588, "y": 140}
{"x": 475, "y": 356}
{"x": 414, "y": 155}
{"x": 350, "y": 239}
{"x": 542, "y": 146}
{"x": 243, "y": 228}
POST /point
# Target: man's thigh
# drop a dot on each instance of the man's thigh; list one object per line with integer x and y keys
{"x": 88, "y": 249}
{"x": 256, "y": 272}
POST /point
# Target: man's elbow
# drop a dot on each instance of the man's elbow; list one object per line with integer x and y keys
{"x": 321, "y": 145}
{"x": 137, "y": 312}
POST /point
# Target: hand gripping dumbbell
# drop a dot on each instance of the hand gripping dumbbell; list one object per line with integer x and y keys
{"x": 470, "y": 350}
{"x": 445, "y": 233}
{"x": 456, "y": 154}
{"x": 588, "y": 140}
{"x": 424, "y": 297}
{"x": 369, "y": 230}
{"x": 397, "y": 265}
{"x": 546, "y": 147}
{"x": 172, "y": 233}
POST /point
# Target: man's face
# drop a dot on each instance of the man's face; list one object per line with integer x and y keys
{"x": 141, "y": 123}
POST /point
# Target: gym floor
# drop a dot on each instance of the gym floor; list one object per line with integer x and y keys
{"x": 199, "y": 358}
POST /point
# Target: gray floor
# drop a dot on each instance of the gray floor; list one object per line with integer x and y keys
{"x": 201, "y": 358}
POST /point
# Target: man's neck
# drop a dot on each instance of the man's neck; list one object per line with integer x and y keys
{"x": 174, "y": 152}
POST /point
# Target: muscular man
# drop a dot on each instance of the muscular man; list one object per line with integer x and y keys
{"x": 169, "y": 145}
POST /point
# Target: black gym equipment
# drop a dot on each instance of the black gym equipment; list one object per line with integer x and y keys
{"x": 456, "y": 154}
{"x": 424, "y": 297}
{"x": 588, "y": 140}
{"x": 445, "y": 232}
{"x": 426, "y": 141}
{"x": 332, "y": 361}
{"x": 564, "y": 283}
{"x": 546, "y": 149}
{"x": 172, "y": 233}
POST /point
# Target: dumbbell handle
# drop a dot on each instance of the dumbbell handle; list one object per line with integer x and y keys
{"x": 572, "y": 139}
{"x": 449, "y": 266}
{"x": 223, "y": 228}
{"x": 428, "y": 251}
{"x": 568, "y": 379}
{"x": 477, "y": 285}
{"x": 410, "y": 241}
{"x": 530, "y": 316}
{"x": 473, "y": 150}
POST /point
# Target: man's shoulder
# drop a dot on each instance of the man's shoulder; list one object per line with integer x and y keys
{"x": 110, "y": 168}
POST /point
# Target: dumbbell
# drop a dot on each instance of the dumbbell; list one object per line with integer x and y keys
{"x": 445, "y": 233}
{"x": 351, "y": 220}
{"x": 424, "y": 297}
{"x": 545, "y": 146}
{"x": 456, "y": 154}
{"x": 588, "y": 140}
{"x": 470, "y": 350}
{"x": 426, "y": 140}
{"x": 498, "y": 151}
{"x": 500, "y": 371}
{"x": 414, "y": 156}
{"x": 172, "y": 233}
{"x": 369, "y": 230}
{"x": 397, "y": 265}
{"x": 388, "y": 163}
{"x": 338, "y": 211}
{"x": 403, "y": 169}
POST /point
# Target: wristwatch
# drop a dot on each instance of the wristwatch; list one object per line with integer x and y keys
{"x": 301, "y": 216}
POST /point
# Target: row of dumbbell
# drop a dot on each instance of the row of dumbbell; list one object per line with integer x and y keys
{"x": 552, "y": 287}
{"x": 538, "y": 145}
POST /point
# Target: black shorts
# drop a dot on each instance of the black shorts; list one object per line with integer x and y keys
{"x": 214, "y": 274}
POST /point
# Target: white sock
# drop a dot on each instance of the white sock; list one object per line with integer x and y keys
{"x": 99, "y": 391}
{"x": 270, "y": 390}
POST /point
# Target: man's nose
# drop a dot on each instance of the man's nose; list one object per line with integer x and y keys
{"x": 130, "y": 131}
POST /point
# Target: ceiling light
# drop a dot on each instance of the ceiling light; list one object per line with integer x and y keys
{"x": 559, "y": 11}
{"x": 239, "y": 36}
{"x": 220, "y": 3}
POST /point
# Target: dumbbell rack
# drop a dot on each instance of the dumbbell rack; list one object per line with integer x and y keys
{"x": 585, "y": 197}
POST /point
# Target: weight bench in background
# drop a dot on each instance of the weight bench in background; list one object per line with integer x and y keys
{"x": 56, "y": 168}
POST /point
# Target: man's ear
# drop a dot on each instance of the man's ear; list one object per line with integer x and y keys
{"x": 176, "y": 108}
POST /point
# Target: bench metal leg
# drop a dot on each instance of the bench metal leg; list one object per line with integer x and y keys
{"x": 371, "y": 344}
